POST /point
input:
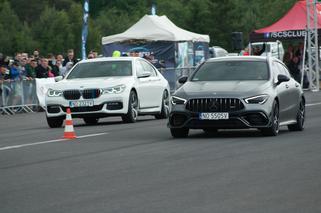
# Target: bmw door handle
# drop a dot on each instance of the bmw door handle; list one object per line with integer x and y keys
{"x": 286, "y": 86}
{"x": 297, "y": 85}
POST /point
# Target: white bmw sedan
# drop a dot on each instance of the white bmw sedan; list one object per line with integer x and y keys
{"x": 96, "y": 88}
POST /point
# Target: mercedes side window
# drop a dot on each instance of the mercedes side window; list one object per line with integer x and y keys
{"x": 276, "y": 71}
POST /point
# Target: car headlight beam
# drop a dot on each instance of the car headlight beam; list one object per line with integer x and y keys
{"x": 114, "y": 90}
{"x": 258, "y": 99}
{"x": 177, "y": 100}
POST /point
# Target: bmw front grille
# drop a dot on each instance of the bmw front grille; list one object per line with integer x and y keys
{"x": 86, "y": 94}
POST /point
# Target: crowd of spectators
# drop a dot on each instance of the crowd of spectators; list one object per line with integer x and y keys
{"x": 17, "y": 73}
{"x": 27, "y": 67}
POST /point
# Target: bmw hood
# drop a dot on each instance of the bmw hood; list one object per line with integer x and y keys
{"x": 83, "y": 83}
{"x": 223, "y": 88}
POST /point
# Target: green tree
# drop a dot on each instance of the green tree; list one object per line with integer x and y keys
{"x": 54, "y": 31}
{"x": 10, "y": 29}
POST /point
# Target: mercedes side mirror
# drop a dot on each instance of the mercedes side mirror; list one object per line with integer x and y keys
{"x": 282, "y": 78}
{"x": 182, "y": 80}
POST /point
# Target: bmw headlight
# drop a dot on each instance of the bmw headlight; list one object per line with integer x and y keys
{"x": 114, "y": 90}
{"x": 258, "y": 99}
{"x": 177, "y": 100}
{"x": 54, "y": 93}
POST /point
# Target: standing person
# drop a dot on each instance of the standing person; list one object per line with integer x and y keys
{"x": 257, "y": 51}
{"x": 15, "y": 71}
{"x": 60, "y": 58}
{"x": 51, "y": 59}
{"x": 300, "y": 50}
{"x": 31, "y": 69}
{"x": 36, "y": 55}
{"x": 288, "y": 56}
{"x": 294, "y": 68}
{"x": 42, "y": 70}
{"x": 70, "y": 58}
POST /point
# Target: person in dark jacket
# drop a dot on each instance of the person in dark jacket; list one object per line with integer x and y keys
{"x": 294, "y": 68}
{"x": 70, "y": 58}
{"x": 257, "y": 51}
{"x": 31, "y": 69}
{"x": 42, "y": 70}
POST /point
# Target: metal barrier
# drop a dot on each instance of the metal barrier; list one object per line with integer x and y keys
{"x": 21, "y": 96}
{"x": 18, "y": 96}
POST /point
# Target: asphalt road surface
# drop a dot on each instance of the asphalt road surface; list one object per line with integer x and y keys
{"x": 116, "y": 167}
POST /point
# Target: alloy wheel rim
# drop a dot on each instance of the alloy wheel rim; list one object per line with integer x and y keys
{"x": 302, "y": 113}
{"x": 166, "y": 104}
{"x": 134, "y": 105}
{"x": 276, "y": 120}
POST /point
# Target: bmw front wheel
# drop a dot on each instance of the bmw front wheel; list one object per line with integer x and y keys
{"x": 165, "y": 107}
{"x": 132, "y": 113}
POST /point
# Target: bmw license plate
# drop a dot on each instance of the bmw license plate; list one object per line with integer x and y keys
{"x": 81, "y": 103}
{"x": 214, "y": 116}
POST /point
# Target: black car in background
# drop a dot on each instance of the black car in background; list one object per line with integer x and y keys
{"x": 235, "y": 93}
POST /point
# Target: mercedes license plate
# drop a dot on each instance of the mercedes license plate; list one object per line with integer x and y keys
{"x": 87, "y": 103}
{"x": 214, "y": 116}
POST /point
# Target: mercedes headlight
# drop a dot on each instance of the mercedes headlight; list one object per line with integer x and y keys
{"x": 114, "y": 90}
{"x": 54, "y": 93}
{"x": 258, "y": 99}
{"x": 177, "y": 100}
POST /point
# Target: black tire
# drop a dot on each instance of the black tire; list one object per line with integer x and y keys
{"x": 132, "y": 113}
{"x": 210, "y": 131}
{"x": 165, "y": 107}
{"x": 91, "y": 121}
{"x": 179, "y": 132}
{"x": 273, "y": 130}
{"x": 54, "y": 122}
{"x": 299, "y": 126}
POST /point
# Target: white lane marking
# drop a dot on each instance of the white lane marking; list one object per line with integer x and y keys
{"x": 313, "y": 104}
{"x": 51, "y": 141}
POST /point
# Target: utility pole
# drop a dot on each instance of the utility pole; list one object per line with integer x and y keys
{"x": 312, "y": 46}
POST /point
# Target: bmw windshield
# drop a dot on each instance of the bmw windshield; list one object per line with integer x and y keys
{"x": 232, "y": 71}
{"x": 101, "y": 69}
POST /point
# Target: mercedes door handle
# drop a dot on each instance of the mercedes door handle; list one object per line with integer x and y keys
{"x": 286, "y": 86}
{"x": 297, "y": 85}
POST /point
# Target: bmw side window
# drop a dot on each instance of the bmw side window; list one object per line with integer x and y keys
{"x": 148, "y": 68}
{"x": 139, "y": 68}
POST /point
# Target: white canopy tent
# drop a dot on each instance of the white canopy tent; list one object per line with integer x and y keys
{"x": 155, "y": 28}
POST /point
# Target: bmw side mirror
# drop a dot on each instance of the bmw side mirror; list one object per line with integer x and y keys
{"x": 182, "y": 80}
{"x": 58, "y": 78}
{"x": 282, "y": 78}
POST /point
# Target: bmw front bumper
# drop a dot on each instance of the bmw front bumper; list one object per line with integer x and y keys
{"x": 103, "y": 106}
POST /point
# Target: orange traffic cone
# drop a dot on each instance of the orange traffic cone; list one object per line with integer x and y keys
{"x": 69, "y": 127}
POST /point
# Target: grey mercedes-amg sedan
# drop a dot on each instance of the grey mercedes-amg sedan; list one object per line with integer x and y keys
{"x": 236, "y": 93}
